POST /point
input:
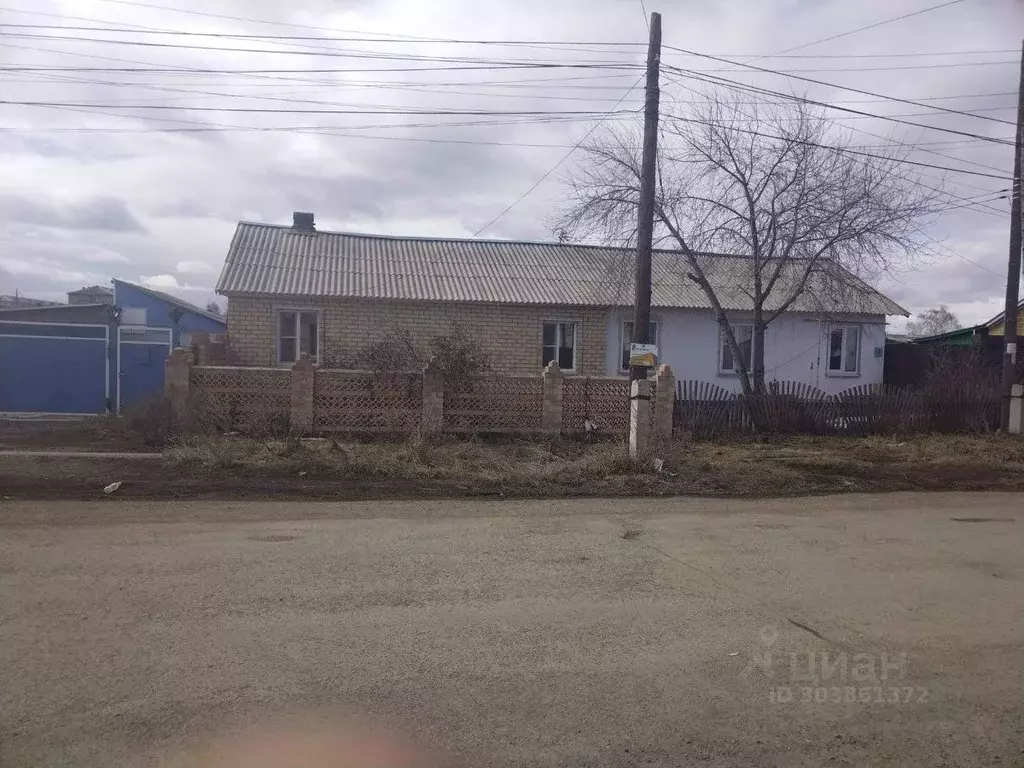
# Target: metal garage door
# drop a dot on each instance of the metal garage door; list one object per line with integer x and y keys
{"x": 53, "y": 368}
{"x": 141, "y": 354}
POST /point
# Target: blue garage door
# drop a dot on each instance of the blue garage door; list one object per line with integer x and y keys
{"x": 141, "y": 357}
{"x": 53, "y": 368}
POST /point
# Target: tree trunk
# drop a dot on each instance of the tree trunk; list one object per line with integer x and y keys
{"x": 757, "y": 351}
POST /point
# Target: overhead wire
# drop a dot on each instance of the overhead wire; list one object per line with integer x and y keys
{"x": 837, "y": 86}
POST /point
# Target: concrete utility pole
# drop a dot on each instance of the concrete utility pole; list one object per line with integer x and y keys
{"x": 645, "y": 225}
{"x": 1013, "y": 266}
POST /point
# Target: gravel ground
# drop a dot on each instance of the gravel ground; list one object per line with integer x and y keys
{"x": 552, "y": 633}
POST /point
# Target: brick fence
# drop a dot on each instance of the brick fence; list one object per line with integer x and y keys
{"x": 311, "y": 400}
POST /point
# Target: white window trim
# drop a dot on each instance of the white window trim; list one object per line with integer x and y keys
{"x": 277, "y": 334}
{"x": 575, "y": 337}
{"x": 623, "y": 339}
{"x": 860, "y": 350}
{"x": 722, "y": 341}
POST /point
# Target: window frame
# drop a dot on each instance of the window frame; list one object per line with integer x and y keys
{"x": 722, "y": 342}
{"x": 558, "y": 323}
{"x": 298, "y": 334}
{"x": 842, "y": 372}
{"x": 625, "y": 339}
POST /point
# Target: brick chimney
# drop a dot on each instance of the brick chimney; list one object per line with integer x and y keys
{"x": 303, "y": 222}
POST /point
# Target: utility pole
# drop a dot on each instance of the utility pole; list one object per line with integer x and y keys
{"x": 1013, "y": 265}
{"x": 645, "y": 225}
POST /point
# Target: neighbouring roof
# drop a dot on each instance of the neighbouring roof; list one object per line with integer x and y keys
{"x": 22, "y": 302}
{"x": 266, "y": 259}
{"x": 999, "y": 318}
{"x": 949, "y": 337}
{"x": 176, "y": 302}
{"x": 93, "y": 289}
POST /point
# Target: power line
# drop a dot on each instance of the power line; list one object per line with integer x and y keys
{"x": 135, "y": 29}
{"x": 743, "y": 86}
{"x": 846, "y": 150}
{"x": 843, "y": 87}
{"x": 326, "y": 52}
{"x": 870, "y": 26}
{"x": 561, "y": 160}
{"x": 323, "y": 52}
{"x": 471, "y": 112}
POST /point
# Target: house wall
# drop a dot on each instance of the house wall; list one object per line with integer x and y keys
{"x": 159, "y": 313}
{"x": 997, "y": 329}
{"x": 509, "y": 334}
{"x": 795, "y": 348}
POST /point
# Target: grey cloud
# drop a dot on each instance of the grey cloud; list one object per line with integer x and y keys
{"x": 191, "y": 187}
{"x": 97, "y": 213}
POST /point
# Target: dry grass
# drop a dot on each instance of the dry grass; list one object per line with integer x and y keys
{"x": 563, "y": 467}
{"x": 248, "y": 467}
{"x": 463, "y": 465}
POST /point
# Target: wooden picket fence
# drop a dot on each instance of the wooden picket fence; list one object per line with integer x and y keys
{"x": 703, "y": 409}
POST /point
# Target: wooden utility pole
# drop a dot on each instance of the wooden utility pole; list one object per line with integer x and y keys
{"x": 645, "y": 225}
{"x": 1013, "y": 265}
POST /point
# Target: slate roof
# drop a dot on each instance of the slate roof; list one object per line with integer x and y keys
{"x": 266, "y": 259}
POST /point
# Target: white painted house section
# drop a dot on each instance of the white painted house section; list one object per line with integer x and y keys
{"x": 796, "y": 347}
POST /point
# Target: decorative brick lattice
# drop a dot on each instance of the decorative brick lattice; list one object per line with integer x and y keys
{"x": 602, "y": 401}
{"x": 361, "y": 401}
{"x": 495, "y": 404}
{"x": 242, "y": 397}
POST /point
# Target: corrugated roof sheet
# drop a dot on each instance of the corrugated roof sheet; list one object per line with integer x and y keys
{"x": 267, "y": 259}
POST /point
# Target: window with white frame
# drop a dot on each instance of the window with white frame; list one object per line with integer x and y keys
{"x": 297, "y": 334}
{"x": 844, "y": 350}
{"x": 727, "y": 362}
{"x": 558, "y": 343}
{"x": 627, "y": 338}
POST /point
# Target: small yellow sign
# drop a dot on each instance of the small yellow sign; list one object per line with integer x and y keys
{"x": 645, "y": 355}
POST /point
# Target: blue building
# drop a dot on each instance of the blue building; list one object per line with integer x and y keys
{"x": 94, "y": 358}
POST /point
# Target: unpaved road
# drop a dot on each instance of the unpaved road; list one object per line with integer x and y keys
{"x": 575, "y": 633}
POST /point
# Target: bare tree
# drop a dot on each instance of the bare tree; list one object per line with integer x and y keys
{"x": 213, "y": 306}
{"x": 777, "y": 187}
{"x": 932, "y": 322}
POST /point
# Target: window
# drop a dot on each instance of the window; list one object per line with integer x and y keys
{"x": 296, "y": 334}
{"x": 627, "y": 337}
{"x": 727, "y": 362}
{"x": 844, "y": 350}
{"x": 558, "y": 342}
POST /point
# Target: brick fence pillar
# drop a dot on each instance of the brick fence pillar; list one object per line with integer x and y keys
{"x": 639, "y": 416}
{"x": 551, "y": 415}
{"x": 1016, "y": 425}
{"x": 177, "y": 373}
{"x": 301, "y": 412}
{"x": 433, "y": 399}
{"x": 664, "y": 402}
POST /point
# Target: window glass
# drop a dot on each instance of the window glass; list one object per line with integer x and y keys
{"x": 308, "y": 333}
{"x": 567, "y": 346}
{"x": 549, "y": 343}
{"x": 744, "y": 334}
{"x": 627, "y": 338}
{"x": 286, "y": 324}
{"x": 287, "y": 350}
{"x": 852, "y": 354}
{"x": 745, "y": 341}
{"x": 835, "y": 350}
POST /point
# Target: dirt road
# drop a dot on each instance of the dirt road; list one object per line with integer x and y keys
{"x": 854, "y": 630}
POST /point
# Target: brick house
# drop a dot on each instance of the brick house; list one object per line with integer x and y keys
{"x": 294, "y": 290}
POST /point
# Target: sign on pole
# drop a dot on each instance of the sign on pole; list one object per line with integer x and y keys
{"x": 645, "y": 355}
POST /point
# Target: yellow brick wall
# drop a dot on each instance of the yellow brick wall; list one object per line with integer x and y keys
{"x": 510, "y": 334}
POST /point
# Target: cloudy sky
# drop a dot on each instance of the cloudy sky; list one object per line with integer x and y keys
{"x": 155, "y": 128}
